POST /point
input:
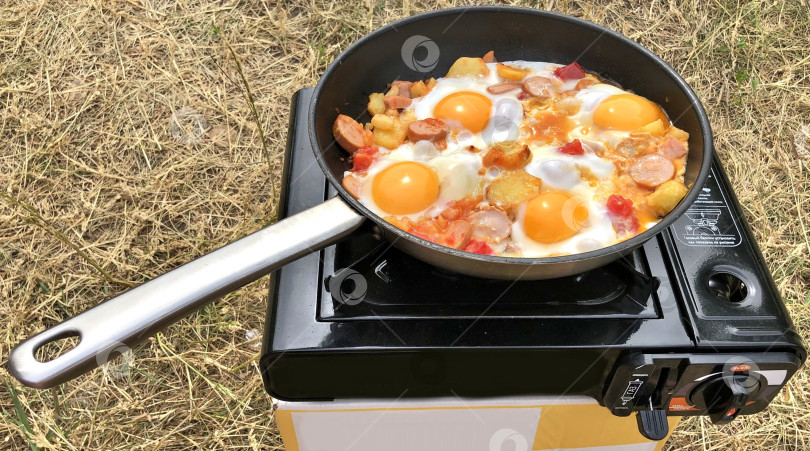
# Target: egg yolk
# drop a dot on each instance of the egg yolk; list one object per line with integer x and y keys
{"x": 470, "y": 108}
{"x": 554, "y": 216}
{"x": 404, "y": 188}
{"x": 627, "y": 112}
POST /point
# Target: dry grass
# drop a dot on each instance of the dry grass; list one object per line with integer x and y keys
{"x": 91, "y": 90}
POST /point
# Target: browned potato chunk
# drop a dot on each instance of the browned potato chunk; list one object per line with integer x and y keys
{"x": 392, "y": 137}
{"x": 418, "y": 89}
{"x": 464, "y": 67}
{"x": 508, "y": 155}
{"x": 666, "y": 197}
{"x": 654, "y": 128}
{"x": 376, "y": 105}
{"x": 383, "y": 122}
{"x": 568, "y": 105}
{"x": 513, "y": 188}
{"x": 678, "y": 134}
{"x": 511, "y": 73}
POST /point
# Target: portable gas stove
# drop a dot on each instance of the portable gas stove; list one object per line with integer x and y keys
{"x": 689, "y": 324}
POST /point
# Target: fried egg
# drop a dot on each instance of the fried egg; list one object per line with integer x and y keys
{"x": 477, "y": 117}
{"x": 415, "y": 180}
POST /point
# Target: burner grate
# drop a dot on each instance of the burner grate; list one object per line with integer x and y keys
{"x": 369, "y": 279}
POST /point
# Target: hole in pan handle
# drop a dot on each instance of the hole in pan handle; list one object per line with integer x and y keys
{"x": 143, "y": 311}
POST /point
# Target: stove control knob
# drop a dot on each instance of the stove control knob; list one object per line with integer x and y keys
{"x": 725, "y": 396}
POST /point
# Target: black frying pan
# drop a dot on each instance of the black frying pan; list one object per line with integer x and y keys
{"x": 415, "y": 48}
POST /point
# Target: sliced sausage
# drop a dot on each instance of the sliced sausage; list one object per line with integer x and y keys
{"x": 537, "y": 86}
{"x": 403, "y": 88}
{"x": 353, "y": 185}
{"x": 491, "y": 226}
{"x": 672, "y": 148}
{"x": 501, "y": 88}
{"x": 427, "y": 129}
{"x": 652, "y": 170}
{"x": 490, "y": 57}
{"x": 350, "y": 134}
{"x": 585, "y": 82}
{"x": 397, "y": 102}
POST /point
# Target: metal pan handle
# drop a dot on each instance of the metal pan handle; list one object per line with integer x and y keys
{"x": 148, "y": 308}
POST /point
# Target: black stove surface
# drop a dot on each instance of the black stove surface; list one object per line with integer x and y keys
{"x": 362, "y": 319}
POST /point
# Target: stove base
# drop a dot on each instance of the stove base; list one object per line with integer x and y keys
{"x": 456, "y": 424}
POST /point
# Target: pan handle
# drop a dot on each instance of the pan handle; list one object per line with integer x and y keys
{"x": 124, "y": 321}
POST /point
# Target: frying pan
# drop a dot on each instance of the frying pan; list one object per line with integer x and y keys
{"x": 415, "y": 48}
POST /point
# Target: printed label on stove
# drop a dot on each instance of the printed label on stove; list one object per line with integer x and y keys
{"x": 680, "y": 405}
{"x": 631, "y": 390}
{"x": 709, "y": 222}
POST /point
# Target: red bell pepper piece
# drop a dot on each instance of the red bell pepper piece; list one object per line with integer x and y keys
{"x": 572, "y": 71}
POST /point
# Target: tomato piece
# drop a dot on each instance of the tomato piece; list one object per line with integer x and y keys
{"x": 479, "y": 247}
{"x": 523, "y": 95}
{"x": 572, "y": 148}
{"x": 572, "y": 71}
{"x": 619, "y": 206}
{"x": 621, "y": 214}
{"x": 447, "y": 233}
{"x": 362, "y": 161}
{"x": 368, "y": 150}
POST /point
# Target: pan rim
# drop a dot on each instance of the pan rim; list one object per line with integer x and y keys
{"x": 621, "y": 248}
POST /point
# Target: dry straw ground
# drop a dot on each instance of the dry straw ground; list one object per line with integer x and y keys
{"x": 98, "y": 195}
